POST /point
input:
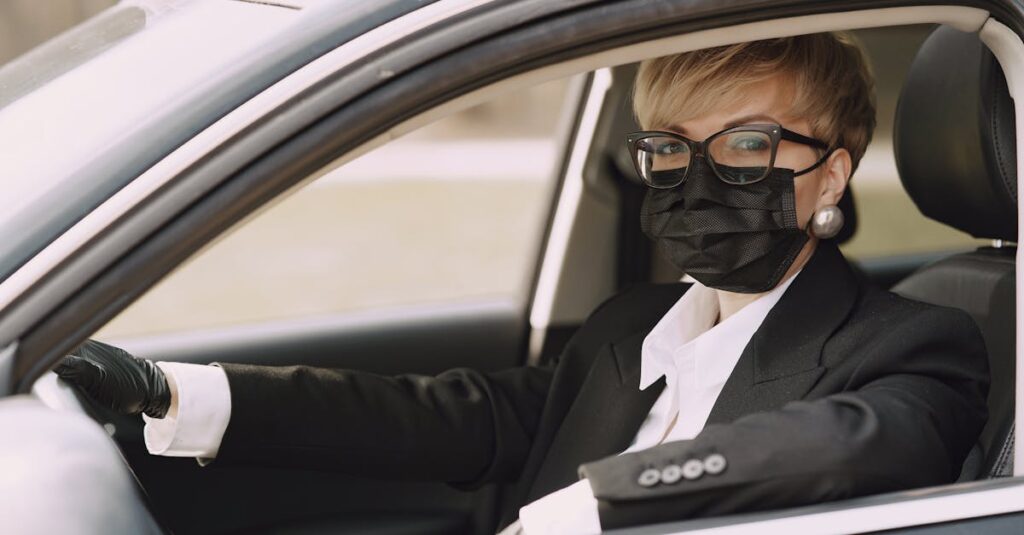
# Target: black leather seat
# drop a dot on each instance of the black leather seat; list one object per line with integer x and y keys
{"x": 955, "y": 151}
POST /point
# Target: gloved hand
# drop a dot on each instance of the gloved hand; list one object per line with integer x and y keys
{"x": 117, "y": 380}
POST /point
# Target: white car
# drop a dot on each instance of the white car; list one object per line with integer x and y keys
{"x": 132, "y": 143}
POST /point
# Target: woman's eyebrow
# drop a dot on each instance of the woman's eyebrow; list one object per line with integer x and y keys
{"x": 746, "y": 119}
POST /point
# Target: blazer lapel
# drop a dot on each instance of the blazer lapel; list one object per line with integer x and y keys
{"x": 782, "y": 361}
{"x": 610, "y": 407}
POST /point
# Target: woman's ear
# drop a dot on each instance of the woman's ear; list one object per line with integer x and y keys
{"x": 836, "y": 173}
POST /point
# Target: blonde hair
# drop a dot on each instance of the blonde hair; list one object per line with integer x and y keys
{"x": 833, "y": 88}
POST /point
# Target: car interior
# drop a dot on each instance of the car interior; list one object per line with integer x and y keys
{"x": 954, "y": 94}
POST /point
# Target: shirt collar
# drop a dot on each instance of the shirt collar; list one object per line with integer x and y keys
{"x": 693, "y": 317}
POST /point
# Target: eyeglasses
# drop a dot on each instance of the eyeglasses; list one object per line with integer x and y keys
{"x": 739, "y": 155}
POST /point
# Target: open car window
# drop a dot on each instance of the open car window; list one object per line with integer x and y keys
{"x": 453, "y": 212}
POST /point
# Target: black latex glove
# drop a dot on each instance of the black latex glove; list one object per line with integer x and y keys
{"x": 117, "y": 380}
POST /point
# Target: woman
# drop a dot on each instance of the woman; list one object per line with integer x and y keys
{"x": 776, "y": 379}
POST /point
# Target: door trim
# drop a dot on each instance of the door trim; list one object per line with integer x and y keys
{"x": 564, "y": 220}
{"x": 919, "y": 507}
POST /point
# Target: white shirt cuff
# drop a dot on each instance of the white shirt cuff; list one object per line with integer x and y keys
{"x": 569, "y": 510}
{"x": 204, "y": 408}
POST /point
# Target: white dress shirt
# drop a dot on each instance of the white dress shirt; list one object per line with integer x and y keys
{"x": 204, "y": 408}
{"x": 695, "y": 356}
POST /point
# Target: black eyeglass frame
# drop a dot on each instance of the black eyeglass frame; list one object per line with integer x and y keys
{"x": 775, "y": 132}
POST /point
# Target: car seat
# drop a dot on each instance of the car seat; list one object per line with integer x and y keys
{"x": 955, "y": 151}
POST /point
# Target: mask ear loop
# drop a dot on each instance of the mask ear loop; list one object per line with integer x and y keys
{"x": 807, "y": 226}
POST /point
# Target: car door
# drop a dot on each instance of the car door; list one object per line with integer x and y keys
{"x": 415, "y": 258}
{"x": 56, "y": 315}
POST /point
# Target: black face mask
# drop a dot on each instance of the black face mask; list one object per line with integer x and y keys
{"x": 734, "y": 238}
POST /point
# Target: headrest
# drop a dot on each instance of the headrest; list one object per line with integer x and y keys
{"x": 954, "y": 137}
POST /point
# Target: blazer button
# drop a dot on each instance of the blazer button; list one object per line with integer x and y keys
{"x": 714, "y": 464}
{"x": 693, "y": 469}
{"x": 649, "y": 478}
{"x": 671, "y": 474}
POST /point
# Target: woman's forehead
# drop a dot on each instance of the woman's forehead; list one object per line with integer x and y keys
{"x": 766, "y": 101}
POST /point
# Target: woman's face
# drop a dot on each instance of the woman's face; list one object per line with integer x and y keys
{"x": 769, "y": 102}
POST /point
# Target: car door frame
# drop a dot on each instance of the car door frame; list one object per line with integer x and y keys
{"x": 46, "y": 290}
{"x": 176, "y": 229}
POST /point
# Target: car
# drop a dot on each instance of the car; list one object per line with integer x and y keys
{"x": 207, "y": 181}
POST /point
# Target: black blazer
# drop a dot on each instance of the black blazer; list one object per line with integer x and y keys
{"x": 844, "y": 390}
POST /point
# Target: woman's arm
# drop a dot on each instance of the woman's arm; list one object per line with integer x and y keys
{"x": 463, "y": 426}
{"x": 915, "y": 407}
{"x": 460, "y": 426}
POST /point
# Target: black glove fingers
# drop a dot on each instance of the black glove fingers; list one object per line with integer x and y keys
{"x": 66, "y": 368}
{"x": 91, "y": 377}
{"x": 116, "y": 379}
{"x": 80, "y": 371}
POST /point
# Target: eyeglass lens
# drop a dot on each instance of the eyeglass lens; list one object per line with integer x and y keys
{"x": 662, "y": 161}
{"x": 738, "y": 157}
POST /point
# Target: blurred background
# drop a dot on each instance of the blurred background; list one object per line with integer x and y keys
{"x": 27, "y": 23}
{"x": 390, "y": 228}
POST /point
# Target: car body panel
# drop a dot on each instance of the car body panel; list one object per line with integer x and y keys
{"x": 419, "y": 340}
{"x": 945, "y": 506}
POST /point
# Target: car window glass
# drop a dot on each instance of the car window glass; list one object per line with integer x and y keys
{"x": 452, "y": 212}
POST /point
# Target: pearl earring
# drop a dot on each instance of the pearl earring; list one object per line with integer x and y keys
{"x": 827, "y": 222}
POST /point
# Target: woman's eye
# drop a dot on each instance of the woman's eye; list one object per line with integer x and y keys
{"x": 671, "y": 148}
{"x": 749, "y": 143}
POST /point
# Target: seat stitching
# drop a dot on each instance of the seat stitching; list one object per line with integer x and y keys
{"x": 1004, "y": 454}
{"x": 994, "y": 123}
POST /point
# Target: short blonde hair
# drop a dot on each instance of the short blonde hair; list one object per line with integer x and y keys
{"x": 833, "y": 88}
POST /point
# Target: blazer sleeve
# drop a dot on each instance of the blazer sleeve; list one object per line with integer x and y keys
{"x": 458, "y": 426}
{"x": 463, "y": 426}
{"x": 914, "y": 407}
